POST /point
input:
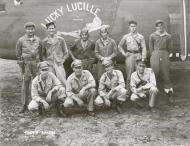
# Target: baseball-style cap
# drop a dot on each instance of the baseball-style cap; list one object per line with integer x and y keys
{"x": 76, "y": 62}
{"x": 29, "y": 24}
{"x": 107, "y": 62}
{"x": 158, "y": 22}
{"x": 141, "y": 61}
{"x": 43, "y": 65}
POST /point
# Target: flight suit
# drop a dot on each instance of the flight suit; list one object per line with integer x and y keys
{"x": 104, "y": 48}
{"x": 128, "y": 45}
{"x": 84, "y": 52}
{"x": 54, "y": 50}
{"x": 49, "y": 90}
{"x": 111, "y": 89}
{"x": 28, "y": 55}
{"x": 149, "y": 88}
{"x": 160, "y": 46}
{"x": 73, "y": 87}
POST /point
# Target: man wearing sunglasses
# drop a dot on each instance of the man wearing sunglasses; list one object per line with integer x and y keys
{"x": 111, "y": 87}
{"x": 143, "y": 84}
{"x": 46, "y": 89}
{"x": 80, "y": 88}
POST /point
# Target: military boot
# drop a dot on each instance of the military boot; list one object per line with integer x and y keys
{"x": 59, "y": 109}
{"x": 152, "y": 109}
{"x": 118, "y": 110}
{"x": 91, "y": 113}
{"x": 118, "y": 107}
{"x": 171, "y": 99}
{"x": 138, "y": 105}
{"x": 23, "y": 109}
{"x": 40, "y": 109}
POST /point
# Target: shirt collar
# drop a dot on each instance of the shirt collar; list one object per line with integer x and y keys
{"x": 53, "y": 40}
{"x": 80, "y": 77}
{"x": 107, "y": 40}
{"x": 141, "y": 75}
{"x": 113, "y": 73}
{"x": 161, "y": 34}
{"x": 40, "y": 78}
{"x": 84, "y": 43}
{"x": 30, "y": 39}
{"x": 134, "y": 35}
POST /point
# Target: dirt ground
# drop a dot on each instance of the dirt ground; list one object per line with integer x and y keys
{"x": 135, "y": 127}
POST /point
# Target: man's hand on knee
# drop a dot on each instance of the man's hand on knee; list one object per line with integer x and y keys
{"x": 49, "y": 95}
{"x": 45, "y": 104}
{"x": 107, "y": 101}
{"x": 80, "y": 102}
{"x": 81, "y": 93}
{"x": 141, "y": 95}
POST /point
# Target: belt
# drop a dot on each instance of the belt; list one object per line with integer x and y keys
{"x": 29, "y": 57}
{"x": 133, "y": 51}
{"x": 160, "y": 50}
{"x": 88, "y": 61}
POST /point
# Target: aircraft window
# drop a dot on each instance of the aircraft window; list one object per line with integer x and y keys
{"x": 2, "y": 7}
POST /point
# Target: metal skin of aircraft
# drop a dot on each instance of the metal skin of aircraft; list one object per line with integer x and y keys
{"x": 71, "y": 16}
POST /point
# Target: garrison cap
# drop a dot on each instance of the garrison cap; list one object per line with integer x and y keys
{"x": 76, "y": 62}
{"x": 107, "y": 62}
{"x": 43, "y": 65}
{"x": 50, "y": 23}
{"x": 28, "y": 24}
{"x": 158, "y": 22}
{"x": 140, "y": 60}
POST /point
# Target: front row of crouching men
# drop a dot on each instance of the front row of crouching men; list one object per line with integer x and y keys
{"x": 81, "y": 88}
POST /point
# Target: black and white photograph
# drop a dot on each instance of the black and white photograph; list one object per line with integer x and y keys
{"x": 94, "y": 73}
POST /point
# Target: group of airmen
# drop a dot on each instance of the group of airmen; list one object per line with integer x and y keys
{"x": 44, "y": 77}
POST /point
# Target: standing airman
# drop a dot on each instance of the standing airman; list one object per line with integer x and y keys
{"x": 83, "y": 49}
{"x": 160, "y": 45}
{"x": 28, "y": 50}
{"x": 54, "y": 50}
{"x": 105, "y": 49}
{"x": 132, "y": 46}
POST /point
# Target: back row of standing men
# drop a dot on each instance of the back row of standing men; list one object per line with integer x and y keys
{"x": 53, "y": 49}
